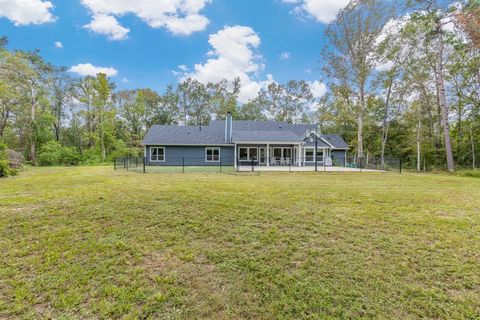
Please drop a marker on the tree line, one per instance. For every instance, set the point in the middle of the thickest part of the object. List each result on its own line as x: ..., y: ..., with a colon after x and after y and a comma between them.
x: 402, y: 82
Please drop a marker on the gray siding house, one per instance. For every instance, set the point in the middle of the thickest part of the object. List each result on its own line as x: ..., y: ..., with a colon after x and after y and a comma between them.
x: 234, y: 143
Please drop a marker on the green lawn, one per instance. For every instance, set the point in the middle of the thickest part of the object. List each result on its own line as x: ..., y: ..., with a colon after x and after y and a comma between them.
x: 93, y: 243
x: 186, y: 169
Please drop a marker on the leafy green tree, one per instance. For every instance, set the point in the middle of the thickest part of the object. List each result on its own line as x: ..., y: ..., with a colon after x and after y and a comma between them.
x: 350, y: 61
x: 286, y: 102
x: 104, y: 112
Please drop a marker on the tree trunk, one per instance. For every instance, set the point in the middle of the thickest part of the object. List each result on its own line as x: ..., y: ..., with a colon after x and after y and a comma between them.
x: 385, y: 124
x: 472, y: 142
x: 3, y: 123
x: 33, y: 151
x: 104, y: 156
x: 360, y: 122
x: 419, y: 155
x: 443, y: 103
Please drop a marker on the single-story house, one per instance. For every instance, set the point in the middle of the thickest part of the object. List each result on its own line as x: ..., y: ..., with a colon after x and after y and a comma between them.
x: 233, y: 142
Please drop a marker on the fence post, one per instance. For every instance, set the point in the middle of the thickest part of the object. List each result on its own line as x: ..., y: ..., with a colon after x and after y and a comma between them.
x: 252, y: 166
x: 114, y: 163
x: 144, y: 160
x: 220, y: 164
x: 124, y: 163
x: 128, y: 161
x: 400, y: 162
x: 237, y: 164
x: 183, y: 164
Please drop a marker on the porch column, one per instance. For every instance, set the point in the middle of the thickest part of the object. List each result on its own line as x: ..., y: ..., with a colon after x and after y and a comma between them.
x: 299, y: 154
x: 235, y: 155
x: 268, y: 155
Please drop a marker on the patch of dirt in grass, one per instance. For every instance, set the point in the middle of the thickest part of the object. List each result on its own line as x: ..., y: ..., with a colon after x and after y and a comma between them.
x: 207, y: 293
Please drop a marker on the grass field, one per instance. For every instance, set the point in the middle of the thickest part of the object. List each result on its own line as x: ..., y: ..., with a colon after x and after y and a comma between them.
x: 93, y: 243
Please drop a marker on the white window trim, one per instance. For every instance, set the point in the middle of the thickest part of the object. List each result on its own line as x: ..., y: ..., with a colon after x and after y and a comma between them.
x: 282, y: 152
x: 326, y: 153
x: 151, y: 153
x: 248, y: 153
x: 213, y: 156
x: 305, y: 154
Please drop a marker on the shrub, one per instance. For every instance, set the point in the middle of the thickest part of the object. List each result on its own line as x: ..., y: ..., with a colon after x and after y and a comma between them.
x: 52, y: 153
x: 91, y: 156
x: 5, y: 169
x: 15, y: 159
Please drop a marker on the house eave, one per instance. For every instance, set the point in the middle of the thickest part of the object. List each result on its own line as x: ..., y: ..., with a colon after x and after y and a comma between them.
x: 269, y: 142
x: 190, y: 144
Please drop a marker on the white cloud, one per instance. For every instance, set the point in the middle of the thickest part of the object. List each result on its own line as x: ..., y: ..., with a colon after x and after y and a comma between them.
x: 180, y: 17
x: 25, y: 12
x: 58, y: 45
x: 108, y: 26
x: 324, y: 11
x: 125, y: 80
x: 87, y: 69
x: 385, y: 66
x: 183, y: 67
x: 318, y: 89
x: 233, y: 57
x: 284, y: 55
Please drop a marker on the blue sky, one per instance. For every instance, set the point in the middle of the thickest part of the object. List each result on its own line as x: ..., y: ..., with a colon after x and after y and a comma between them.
x: 267, y: 40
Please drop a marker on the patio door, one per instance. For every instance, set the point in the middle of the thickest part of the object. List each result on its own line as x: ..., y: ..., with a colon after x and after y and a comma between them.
x: 263, y: 156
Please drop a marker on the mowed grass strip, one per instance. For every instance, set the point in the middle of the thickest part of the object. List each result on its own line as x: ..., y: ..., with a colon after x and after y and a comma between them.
x: 93, y: 243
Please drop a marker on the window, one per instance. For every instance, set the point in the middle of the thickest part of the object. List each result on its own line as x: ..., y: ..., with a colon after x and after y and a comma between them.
x: 243, y: 153
x: 277, y: 152
x: 319, y: 154
x: 309, y: 155
x: 282, y: 153
x: 157, y: 154
x: 247, y: 154
x: 212, y: 154
x: 252, y: 154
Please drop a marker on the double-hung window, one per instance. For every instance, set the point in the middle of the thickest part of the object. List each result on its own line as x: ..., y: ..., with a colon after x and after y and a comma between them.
x: 157, y: 154
x: 309, y: 157
x: 212, y: 154
x: 319, y: 154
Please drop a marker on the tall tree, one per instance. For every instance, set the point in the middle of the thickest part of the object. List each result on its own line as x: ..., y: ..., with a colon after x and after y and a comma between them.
x: 102, y: 104
x: 349, y: 63
x: 62, y: 85
x: 286, y: 102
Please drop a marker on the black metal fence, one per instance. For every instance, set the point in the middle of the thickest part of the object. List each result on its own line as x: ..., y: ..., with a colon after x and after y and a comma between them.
x: 322, y: 164
x: 175, y: 165
x: 223, y: 165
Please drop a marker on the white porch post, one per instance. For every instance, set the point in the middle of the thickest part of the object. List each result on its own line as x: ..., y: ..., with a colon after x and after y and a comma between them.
x: 235, y: 155
x: 268, y: 155
x: 299, y: 155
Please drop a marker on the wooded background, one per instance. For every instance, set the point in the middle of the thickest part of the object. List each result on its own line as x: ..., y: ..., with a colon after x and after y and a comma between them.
x: 403, y: 81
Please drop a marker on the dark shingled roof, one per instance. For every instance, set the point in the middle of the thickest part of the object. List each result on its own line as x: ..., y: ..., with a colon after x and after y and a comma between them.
x: 185, y: 135
x: 242, y: 131
x: 265, y: 136
x: 335, y: 140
